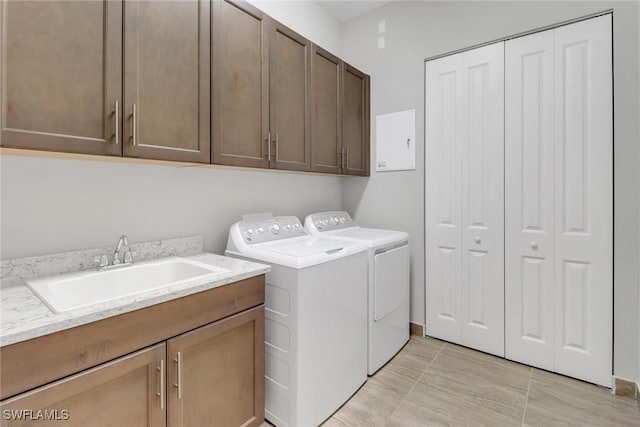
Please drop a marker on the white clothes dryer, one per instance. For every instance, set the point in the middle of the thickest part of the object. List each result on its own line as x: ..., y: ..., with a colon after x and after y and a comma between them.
x: 315, y: 317
x: 388, y: 281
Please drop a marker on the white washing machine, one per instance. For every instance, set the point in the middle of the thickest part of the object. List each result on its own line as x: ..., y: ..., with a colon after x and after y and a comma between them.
x: 315, y: 317
x: 388, y: 282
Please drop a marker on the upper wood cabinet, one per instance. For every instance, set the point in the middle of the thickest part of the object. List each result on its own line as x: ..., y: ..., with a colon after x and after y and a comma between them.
x: 207, y: 81
x: 166, y: 80
x: 355, y: 121
x: 339, y: 116
x: 326, y: 112
x: 240, y: 81
x: 126, y: 392
x: 289, y: 82
x: 260, y: 79
x: 62, y: 76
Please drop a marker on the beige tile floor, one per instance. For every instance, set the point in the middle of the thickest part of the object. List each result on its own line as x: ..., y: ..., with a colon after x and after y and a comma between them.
x: 433, y: 383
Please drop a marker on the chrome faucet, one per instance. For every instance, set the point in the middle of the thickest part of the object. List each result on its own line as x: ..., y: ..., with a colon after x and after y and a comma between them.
x: 117, y: 258
x: 121, y: 257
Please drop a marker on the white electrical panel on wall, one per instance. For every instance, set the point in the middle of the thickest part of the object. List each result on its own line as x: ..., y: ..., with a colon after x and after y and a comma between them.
x: 395, y: 141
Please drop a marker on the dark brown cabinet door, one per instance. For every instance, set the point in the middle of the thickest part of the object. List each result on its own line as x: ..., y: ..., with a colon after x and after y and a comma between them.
x: 326, y: 115
x: 167, y: 77
x: 355, y: 121
x: 129, y: 391
x: 240, y: 81
x: 216, y: 373
x: 289, y: 81
x: 61, y: 75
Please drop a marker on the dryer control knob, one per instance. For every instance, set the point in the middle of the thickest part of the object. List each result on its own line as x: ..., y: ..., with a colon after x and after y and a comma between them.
x: 275, y: 228
x: 260, y: 230
x: 287, y: 227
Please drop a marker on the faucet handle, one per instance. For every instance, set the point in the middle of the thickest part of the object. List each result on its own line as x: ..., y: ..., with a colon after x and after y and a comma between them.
x: 128, y: 257
x: 101, y: 260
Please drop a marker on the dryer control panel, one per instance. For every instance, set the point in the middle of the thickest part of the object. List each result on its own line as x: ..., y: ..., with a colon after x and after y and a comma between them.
x: 328, y: 221
x: 270, y: 229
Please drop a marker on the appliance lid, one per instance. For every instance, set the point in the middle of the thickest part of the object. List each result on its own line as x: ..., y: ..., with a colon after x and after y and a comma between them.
x: 370, y: 236
x: 303, y: 247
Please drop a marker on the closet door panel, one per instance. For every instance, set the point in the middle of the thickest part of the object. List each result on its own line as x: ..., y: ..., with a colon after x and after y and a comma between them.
x: 443, y: 199
x: 529, y: 145
x: 483, y: 198
x: 584, y: 199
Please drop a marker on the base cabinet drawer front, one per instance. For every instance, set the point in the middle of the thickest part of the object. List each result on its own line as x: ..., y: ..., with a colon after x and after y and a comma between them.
x: 128, y: 391
x: 216, y: 373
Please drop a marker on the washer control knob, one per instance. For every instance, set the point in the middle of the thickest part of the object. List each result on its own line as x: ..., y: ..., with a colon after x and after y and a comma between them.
x: 260, y: 230
x: 287, y: 227
x: 342, y: 220
x: 297, y: 225
x: 275, y: 229
x: 248, y: 232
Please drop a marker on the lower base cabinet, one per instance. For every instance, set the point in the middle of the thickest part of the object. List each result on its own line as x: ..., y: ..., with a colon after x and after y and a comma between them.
x: 212, y: 371
x: 211, y: 376
x: 124, y: 392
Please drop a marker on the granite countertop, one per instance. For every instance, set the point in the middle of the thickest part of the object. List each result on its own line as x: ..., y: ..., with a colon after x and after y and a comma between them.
x: 24, y: 316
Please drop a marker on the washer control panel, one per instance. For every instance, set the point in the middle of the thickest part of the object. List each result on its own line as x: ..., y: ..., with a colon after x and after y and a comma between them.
x: 327, y: 221
x: 269, y: 229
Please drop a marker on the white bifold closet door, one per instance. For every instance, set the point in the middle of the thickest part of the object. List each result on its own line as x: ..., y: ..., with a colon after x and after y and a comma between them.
x: 559, y: 200
x: 464, y: 198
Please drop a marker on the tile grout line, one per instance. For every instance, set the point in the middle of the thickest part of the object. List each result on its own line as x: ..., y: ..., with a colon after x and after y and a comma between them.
x: 420, y: 377
x: 526, y: 399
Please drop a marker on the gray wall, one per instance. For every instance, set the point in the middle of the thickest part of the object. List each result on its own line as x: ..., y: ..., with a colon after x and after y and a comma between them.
x: 54, y: 205
x: 308, y: 18
x: 417, y: 30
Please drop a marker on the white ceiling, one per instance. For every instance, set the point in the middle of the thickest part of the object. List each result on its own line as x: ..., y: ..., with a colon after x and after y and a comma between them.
x: 345, y: 10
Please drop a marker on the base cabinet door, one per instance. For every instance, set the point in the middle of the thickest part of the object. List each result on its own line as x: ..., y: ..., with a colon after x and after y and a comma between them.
x: 61, y: 73
x: 212, y: 371
x: 128, y: 391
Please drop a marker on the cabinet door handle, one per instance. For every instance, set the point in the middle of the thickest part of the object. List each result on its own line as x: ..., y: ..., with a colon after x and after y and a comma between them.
x: 268, y: 146
x: 340, y: 155
x: 178, y: 384
x: 134, y: 128
x: 161, y: 392
x: 346, y: 160
x: 116, y: 122
x: 534, y: 246
x: 277, y: 148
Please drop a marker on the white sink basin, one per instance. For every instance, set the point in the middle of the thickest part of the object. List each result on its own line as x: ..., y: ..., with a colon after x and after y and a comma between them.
x: 68, y: 292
